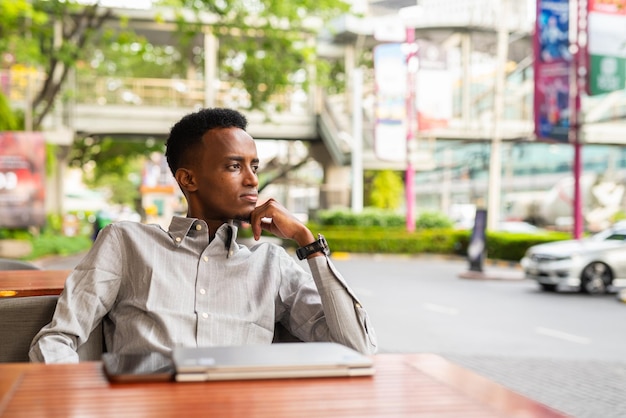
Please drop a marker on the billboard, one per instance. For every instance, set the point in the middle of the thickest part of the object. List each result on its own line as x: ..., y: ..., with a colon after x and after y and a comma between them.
x: 22, y: 179
x: 606, y: 49
x: 432, y: 101
x: 552, y: 64
x: 434, y: 87
x: 390, y: 73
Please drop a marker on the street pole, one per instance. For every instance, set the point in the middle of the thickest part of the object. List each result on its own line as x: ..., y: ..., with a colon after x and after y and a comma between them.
x: 577, y: 24
x: 495, y: 159
x: 357, y: 140
x: 211, y: 46
x: 410, y: 128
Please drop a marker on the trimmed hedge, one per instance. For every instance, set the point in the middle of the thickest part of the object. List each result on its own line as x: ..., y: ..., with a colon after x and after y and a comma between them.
x: 500, y: 245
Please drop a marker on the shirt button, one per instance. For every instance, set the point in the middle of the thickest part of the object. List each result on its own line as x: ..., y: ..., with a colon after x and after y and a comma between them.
x: 198, y: 227
x: 205, y: 258
x: 178, y: 239
x: 205, y: 315
x: 202, y: 291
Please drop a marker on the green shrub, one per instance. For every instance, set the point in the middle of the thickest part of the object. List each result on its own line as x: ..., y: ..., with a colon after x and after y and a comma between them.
x: 380, y: 217
x: 48, y: 244
x: 368, y: 217
x: 447, y: 241
x: 429, y: 220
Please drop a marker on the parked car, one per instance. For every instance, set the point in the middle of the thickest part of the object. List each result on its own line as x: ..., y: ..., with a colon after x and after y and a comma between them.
x: 590, y: 265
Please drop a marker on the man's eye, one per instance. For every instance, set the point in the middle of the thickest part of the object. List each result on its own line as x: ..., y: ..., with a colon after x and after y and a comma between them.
x: 234, y: 166
x: 255, y: 168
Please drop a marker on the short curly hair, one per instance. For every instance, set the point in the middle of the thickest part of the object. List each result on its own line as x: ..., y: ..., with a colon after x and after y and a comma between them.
x: 189, y: 131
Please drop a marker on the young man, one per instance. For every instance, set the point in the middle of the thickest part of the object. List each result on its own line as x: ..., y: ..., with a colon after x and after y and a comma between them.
x: 194, y: 285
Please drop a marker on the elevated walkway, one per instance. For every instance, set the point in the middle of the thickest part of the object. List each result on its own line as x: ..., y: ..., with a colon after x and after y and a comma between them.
x: 149, y: 107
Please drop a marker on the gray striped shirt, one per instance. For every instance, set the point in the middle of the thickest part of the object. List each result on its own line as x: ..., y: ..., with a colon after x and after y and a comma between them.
x: 156, y: 289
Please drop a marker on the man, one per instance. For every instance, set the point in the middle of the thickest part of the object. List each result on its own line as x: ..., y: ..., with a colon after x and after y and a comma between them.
x: 193, y: 285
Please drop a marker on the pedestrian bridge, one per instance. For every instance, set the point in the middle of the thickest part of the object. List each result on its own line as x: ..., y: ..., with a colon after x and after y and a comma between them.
x: 148, y: 107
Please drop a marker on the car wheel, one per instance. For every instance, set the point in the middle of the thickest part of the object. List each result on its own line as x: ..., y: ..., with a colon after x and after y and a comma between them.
x: 595, y: 278
x: 548, y: 287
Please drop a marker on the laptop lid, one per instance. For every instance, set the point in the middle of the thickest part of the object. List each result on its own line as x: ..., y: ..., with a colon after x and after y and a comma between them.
x: 269, y: 361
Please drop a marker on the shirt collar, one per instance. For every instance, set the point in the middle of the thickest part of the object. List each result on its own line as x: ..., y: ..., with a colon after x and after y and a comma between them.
x: 227, y: 233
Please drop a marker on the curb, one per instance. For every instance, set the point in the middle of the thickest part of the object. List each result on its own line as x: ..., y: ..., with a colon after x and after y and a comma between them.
x: 341, y: 255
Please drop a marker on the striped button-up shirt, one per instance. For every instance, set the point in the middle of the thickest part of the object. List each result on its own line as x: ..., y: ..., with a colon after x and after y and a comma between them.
x: 155, y: 289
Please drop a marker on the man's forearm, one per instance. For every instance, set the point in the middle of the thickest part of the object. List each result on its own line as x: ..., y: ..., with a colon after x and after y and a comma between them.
x: 347, y: 320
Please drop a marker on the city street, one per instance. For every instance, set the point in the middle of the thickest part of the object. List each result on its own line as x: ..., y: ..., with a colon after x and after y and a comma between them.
x: 565, y: 350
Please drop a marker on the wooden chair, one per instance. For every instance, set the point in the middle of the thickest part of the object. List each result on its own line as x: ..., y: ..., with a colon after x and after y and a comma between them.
x: 22, y: 318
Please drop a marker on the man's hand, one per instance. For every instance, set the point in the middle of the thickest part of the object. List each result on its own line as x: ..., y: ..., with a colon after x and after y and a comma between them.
x: 271, y: 216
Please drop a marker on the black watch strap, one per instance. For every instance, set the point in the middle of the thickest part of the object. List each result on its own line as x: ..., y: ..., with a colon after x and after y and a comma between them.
x: 312, y: 248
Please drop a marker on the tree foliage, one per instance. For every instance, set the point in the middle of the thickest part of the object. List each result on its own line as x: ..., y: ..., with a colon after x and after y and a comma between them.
x: 265, y: 45
x: 51, y: 36
x: 386, y: 190
x: 265, y: 48
x: 113, y: 164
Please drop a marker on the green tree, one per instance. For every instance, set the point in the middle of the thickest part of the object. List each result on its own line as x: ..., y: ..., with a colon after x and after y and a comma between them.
x: 113, y: 164
x: 51, y: 36
x: 8, y: 119
x: 266, y: 45
x: 386, y: 190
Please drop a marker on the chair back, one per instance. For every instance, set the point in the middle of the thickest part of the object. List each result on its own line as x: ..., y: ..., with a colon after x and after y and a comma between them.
x: 22, y: 318
x: 10, y: 264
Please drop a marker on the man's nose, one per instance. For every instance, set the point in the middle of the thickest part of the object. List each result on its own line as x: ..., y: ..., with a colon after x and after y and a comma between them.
x: 251, y: 177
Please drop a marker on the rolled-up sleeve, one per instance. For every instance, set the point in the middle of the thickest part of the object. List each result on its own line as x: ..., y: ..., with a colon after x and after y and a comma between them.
x: 347, y: 319
x: 88, y: 295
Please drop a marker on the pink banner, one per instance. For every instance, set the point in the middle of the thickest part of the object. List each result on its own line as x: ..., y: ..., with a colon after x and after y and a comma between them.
x: 22, y: 179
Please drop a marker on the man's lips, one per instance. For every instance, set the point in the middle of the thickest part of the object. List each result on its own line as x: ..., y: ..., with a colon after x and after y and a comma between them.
x: 250, y: 197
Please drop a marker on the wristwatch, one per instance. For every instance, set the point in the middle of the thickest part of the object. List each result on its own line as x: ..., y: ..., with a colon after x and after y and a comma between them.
x: 314, y: 247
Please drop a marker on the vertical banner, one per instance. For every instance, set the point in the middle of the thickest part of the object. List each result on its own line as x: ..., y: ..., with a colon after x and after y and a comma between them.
x: 22, y: 179
x: 434, y: 84
x: 552, y: 61
x: 606, y: 49
x: 390, y: 73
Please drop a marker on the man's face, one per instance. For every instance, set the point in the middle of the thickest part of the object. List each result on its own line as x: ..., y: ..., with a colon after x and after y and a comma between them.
x: 225, y: 173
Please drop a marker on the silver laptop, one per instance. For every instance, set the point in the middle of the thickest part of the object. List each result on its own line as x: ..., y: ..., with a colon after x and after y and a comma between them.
x: 270, y: 361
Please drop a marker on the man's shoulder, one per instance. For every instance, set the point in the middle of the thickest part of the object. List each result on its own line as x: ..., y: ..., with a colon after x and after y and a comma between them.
x: 133, y: 226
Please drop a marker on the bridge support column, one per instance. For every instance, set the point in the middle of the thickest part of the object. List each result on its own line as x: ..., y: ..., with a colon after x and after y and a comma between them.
x: 336, y: 190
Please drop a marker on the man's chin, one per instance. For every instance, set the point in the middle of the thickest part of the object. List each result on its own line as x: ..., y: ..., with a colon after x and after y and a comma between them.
x: 243, y: 218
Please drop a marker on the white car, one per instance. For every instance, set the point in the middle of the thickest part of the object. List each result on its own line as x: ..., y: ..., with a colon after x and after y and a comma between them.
x: 589, y: 265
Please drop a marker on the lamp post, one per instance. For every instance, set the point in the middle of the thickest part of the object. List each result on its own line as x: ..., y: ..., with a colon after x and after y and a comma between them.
x: 411, y: 120
x: 495, y: 159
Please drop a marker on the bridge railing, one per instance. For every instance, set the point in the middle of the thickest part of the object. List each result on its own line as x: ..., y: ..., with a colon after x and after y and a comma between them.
x: 139, y: 91
x: 20, y: 84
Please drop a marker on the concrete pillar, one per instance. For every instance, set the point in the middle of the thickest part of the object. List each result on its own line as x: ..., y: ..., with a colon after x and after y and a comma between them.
x: 211, y: 46
x: 335, y: 191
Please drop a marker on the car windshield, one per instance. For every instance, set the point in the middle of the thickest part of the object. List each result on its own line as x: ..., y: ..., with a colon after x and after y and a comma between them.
x: 610, y: 234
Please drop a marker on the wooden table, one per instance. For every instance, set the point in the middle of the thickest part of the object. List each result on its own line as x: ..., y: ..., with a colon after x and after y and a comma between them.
x: 19, y: 283
x: 404, y: 385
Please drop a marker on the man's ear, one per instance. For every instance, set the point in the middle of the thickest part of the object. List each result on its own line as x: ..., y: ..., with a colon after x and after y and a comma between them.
x: 186, y: 179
